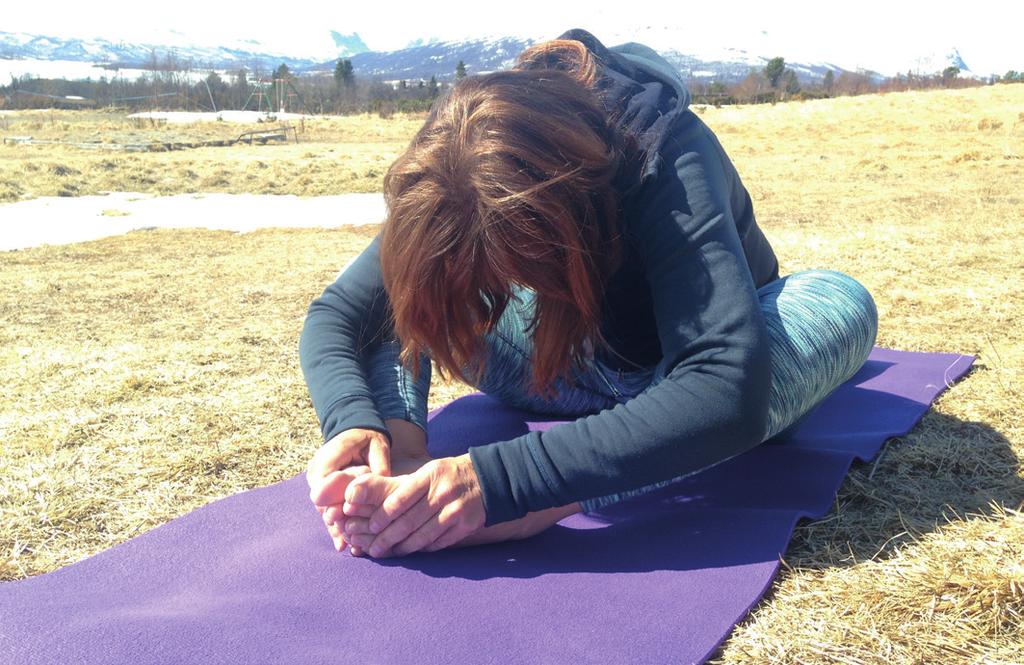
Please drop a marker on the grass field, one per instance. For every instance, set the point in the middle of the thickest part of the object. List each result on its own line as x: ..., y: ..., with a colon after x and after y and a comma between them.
x: 145, y: 375
x: 334, y: 155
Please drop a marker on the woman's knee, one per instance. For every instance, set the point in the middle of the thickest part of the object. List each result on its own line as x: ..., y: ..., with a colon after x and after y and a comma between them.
x: 831, y: 301
x: 822, y: 325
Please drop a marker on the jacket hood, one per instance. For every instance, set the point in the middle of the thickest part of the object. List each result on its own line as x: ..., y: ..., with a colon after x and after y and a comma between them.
x: 641, y: 89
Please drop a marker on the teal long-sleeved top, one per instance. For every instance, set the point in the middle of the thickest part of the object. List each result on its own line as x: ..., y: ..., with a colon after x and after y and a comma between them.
x: 683, y: 302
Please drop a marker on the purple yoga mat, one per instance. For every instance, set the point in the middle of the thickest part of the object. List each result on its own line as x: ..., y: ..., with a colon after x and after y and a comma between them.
x: 662, y: 578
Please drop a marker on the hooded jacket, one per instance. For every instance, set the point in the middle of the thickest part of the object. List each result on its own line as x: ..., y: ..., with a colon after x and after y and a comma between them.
x: 683, y: 302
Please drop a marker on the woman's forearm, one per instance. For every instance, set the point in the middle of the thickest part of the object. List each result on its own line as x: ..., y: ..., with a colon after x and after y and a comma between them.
x: 340, y: 324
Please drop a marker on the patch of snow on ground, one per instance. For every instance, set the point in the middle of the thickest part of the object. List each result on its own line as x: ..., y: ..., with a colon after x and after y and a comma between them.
x: 60, y: 220
x: 210, y: 116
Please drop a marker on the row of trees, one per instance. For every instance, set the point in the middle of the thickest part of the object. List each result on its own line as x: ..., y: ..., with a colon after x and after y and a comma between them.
x: 194, y: 90
x: 175, y: 84
x: 777, y: 82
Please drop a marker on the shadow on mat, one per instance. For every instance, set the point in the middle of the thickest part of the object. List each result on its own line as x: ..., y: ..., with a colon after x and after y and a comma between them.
x: 640, y: 543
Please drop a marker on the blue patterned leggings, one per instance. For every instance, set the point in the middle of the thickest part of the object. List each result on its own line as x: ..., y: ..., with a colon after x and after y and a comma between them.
x: 821, y: 327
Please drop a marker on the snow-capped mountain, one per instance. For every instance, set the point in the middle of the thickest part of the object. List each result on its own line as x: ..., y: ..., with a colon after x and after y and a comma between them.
x: 422, y: 42
x: 424, y: 57
x: 433, y: 57
x: 735, y: 64
x: 439, y: 58
x: 938, y: 62
x: 240, y: 53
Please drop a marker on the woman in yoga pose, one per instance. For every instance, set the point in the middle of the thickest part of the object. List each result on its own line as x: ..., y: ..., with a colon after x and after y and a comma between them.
x: 568, y: 237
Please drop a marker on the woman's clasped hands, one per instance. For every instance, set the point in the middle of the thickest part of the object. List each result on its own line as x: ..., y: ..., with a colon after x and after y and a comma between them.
x: 430, y: 505
x: 432, y: 508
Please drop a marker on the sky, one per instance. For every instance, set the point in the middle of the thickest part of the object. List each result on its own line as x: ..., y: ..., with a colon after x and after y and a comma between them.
x: 872, y: 34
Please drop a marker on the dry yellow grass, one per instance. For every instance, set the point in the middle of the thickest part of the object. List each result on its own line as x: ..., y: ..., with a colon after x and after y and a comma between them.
x: 145, y: 375
x: 334, y: 155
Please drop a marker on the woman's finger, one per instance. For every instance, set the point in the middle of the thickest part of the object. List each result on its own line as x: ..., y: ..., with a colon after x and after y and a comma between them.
x: 403, y: 525
x: 422, y: 537
x: 361, y: 540
x: 354, y: 525
x: 446, y: 539
x: 358, y: 509
x: 331, y: 489
x: 372, y: 489
x: 334, y: 514
x: 329, y: 458
x: 337, y: 537
x: 400, y: 500
x: 341, y: 451
x: 452, y: 532
x: 379, y: 457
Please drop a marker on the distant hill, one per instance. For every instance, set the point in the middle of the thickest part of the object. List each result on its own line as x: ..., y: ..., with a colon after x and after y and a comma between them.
x: 438, y: 58
x: 127, y: 55
x: 422, y: 59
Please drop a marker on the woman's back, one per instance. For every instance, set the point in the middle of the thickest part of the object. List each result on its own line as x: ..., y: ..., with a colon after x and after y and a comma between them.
x: 685, y: 169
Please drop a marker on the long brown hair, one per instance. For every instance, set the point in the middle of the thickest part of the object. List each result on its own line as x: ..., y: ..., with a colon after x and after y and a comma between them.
x: 509, y: 182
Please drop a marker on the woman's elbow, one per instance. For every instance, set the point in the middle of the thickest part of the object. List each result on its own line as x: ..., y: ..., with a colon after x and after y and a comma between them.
x: 743, y: 405
x: 751, y: 417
